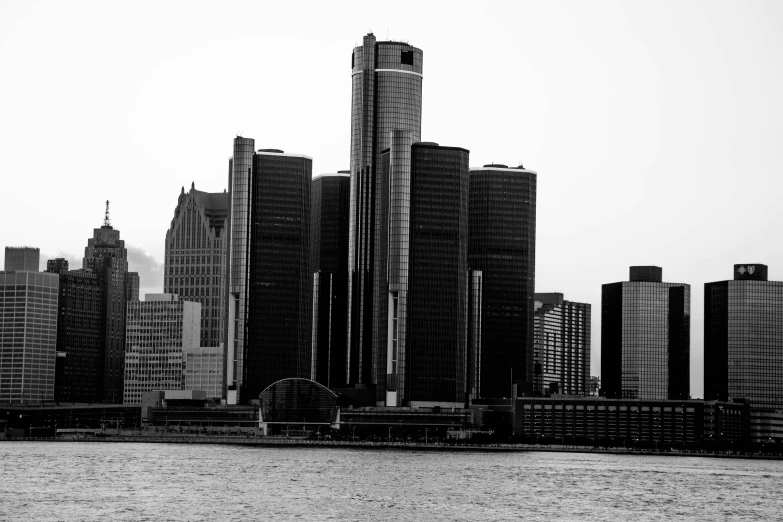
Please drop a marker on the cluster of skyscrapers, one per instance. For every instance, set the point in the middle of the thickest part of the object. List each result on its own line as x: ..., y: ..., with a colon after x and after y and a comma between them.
x: 407, y: 280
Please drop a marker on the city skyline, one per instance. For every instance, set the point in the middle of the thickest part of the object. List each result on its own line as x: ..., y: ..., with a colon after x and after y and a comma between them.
x: 669, y: 133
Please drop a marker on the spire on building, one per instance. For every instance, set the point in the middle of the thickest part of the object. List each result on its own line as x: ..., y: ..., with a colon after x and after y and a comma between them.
x: 106, y: 220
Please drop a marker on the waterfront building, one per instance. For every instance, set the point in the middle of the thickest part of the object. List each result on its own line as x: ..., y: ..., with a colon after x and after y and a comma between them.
x: 204, y: 370
x: 28, y: 335
x: 161, y: 331
x: 106, y: 256
x: 501, y: 264
x: 79, y: 336
x: 22, y: 258
x: 195, y: 262
x: 386, y: 96
x: 240, y: 169
x: 426, y: 230
x: 561, y: 354
x: 57, y: 266
x: 329, y: 261
x: 743, y: 338
x: 645, y: 337
x: 280, y: 279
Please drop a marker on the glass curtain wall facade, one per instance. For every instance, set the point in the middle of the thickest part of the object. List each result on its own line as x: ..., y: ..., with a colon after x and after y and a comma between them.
x: 79, y: 337
x: 386, y: 96
x: 330, y: 197
x: 105, y: 254
x: 28, y: 336
x: 743, y: 338
x: 195, y: 265
x: 433, y: 360
x: 280, y: 286
x: 239, y: 189
x: 561, y: 346
x: 501, y: 260
x: 645, y: 338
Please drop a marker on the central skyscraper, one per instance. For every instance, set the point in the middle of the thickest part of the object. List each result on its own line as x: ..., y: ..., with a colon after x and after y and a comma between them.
x: 386, y: 79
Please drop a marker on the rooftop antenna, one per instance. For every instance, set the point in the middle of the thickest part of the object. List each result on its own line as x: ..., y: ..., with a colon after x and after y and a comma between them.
x: 106, y: 220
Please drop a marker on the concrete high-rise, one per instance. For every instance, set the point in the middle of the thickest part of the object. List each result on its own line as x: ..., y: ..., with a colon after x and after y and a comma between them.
x: 561, y: 354
x: 426, y: 285
x: 386, y: 96
x: 195, y: 265
x: 57, y: 266
x: 106, y: 256
x: 645, y: 337
x: 161, y: 331
x: 330, y: 197
x: 28, y: 336
x: 743, y: 338
x: 22, y: 258
x: 501, y: 264
x: 280, y: 280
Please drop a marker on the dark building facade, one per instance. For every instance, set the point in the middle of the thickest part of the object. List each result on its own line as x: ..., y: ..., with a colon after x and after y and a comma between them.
x: 330, y: 197
x: 501, y: 264
x: 280, y: 282
x: 195, y: 266
x: 57, y: 266
x: 645, y: 337
x: 743, y: 338
x: 106, y: 256
x: 386, y: 85
x: 81, y: 319
x: 561, y: 346
x: 426, y: 289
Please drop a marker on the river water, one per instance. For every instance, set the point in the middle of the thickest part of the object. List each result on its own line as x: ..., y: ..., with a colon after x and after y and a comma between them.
x: 114, y: 481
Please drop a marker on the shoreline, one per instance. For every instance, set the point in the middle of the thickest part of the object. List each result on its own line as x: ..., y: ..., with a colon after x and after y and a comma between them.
x: 394, y: 446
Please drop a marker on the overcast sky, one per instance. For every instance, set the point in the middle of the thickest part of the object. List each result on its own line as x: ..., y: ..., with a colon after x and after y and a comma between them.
x: 655, y: 127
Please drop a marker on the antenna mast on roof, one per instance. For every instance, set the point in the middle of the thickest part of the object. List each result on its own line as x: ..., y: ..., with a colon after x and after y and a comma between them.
x: 106, y: 221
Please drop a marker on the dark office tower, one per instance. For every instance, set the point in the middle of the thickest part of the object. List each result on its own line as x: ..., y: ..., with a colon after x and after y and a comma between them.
x: 386, y: 80
x: 240, y: 173
x: 79, y: 337
x: 57, y: 266
x: 106, y: 256
x: 645, y: 337
x: 280, y: 283
x: 561, y: 354
x: 22, y: 258
x: 329, y: 261
x: 501, y: 261
x: 426, y: 290
x: 195, y: 266
x: 743, y: 338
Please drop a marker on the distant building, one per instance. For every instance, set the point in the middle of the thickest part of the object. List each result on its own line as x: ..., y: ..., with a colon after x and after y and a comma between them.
x: 280, y: 280
x: 561, y: 346
x: 743, y: 338
x: 329, y: 261
x: 161, y: 332
x: 107, y: 257
x: 425, y: 228
x: 645, y: 337
x: 501, y: 264
x: 79, y: 337
x: 22, y: 258
x: 595, y: 386
x: 57, y: 266
x: 195, y: 265
x: 204, y: 370
x: 28, y: 335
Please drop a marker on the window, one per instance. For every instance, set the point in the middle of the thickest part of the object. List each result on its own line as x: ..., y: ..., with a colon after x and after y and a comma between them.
x: 406, y: 58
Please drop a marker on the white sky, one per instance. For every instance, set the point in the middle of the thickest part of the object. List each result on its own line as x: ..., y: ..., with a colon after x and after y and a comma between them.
x: 655, y: 127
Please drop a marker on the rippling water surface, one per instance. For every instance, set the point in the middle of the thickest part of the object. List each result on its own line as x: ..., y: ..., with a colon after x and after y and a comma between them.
x: 106, y: 481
